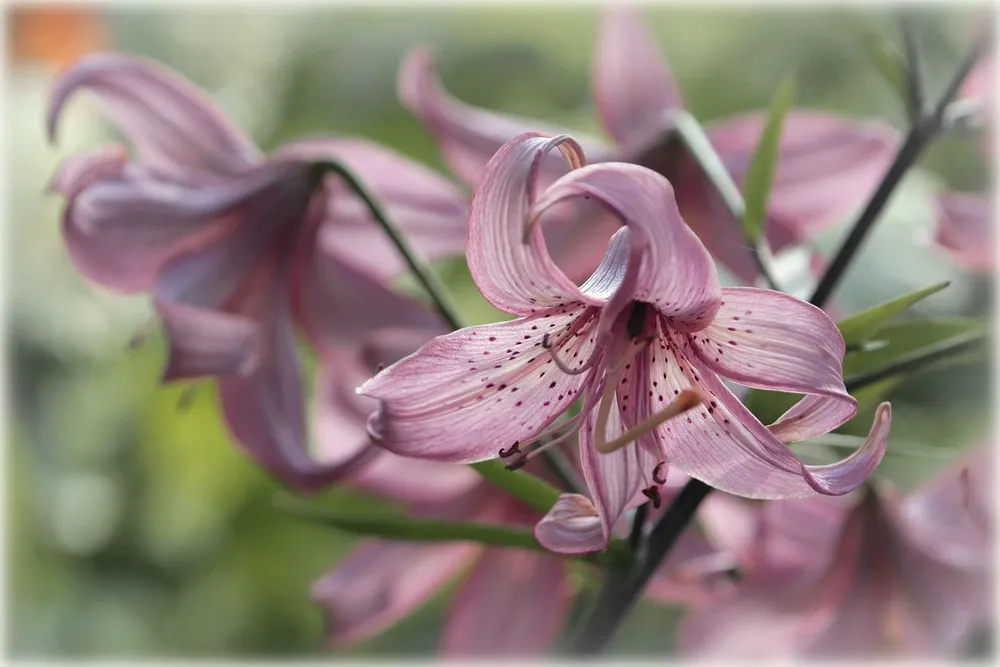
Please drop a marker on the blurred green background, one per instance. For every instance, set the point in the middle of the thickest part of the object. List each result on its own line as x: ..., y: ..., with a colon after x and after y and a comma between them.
x: 135, y: 527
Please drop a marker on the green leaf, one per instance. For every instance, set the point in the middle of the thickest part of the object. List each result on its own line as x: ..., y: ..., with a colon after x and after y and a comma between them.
x: 760, y: 173
x: 534, y: 491
x: 859, y: 328
x: 416, y: 529
x: 910, y: 347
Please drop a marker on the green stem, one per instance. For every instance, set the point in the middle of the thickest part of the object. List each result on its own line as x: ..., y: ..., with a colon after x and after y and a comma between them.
x: 423, y: 273
x: 414, y: 529
x: 690, y: 132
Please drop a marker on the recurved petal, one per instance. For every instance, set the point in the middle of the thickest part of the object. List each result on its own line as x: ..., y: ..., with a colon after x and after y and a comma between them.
x: 464, y: 396
x: 771, y: 340
x: 468, y: 136
x: 667, y: 265
x: 724, y: 445
x: 169, y: 121
x: 507, y: 255
x: 514, y: 603
x: 381, y: 582
x: 828, y: 165
x: 572, y: 526
x: 964, y: 229
x: 632, y: 85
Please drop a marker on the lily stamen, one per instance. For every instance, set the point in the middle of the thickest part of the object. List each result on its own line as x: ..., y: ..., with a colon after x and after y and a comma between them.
x: 534, y: 448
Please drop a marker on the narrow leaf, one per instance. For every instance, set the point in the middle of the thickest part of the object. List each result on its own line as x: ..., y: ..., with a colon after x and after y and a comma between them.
x: 887, y: 61
x: 534, y: 491
x: 760, y: 173
x: 858, y: 329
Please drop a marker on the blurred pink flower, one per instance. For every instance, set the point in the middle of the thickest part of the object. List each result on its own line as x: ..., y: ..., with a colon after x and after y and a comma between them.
x: 889, y: 575
x: 646, y: 337
x: 237, y: 248
x: 964, y: 229
x: 828, y: 164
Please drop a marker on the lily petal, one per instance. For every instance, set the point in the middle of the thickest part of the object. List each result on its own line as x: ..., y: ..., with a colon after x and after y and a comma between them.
x: 207, y: 342
x: 725, y: 446
x: 370, y: 590
x: 171, y: 123
x: 674, y: 262
x: 513, y: 603
x: 632, y: 85
x: 496, y: 378
x: 964, y: 229
x: 573, y: 526
x: 512, y: 267
x: 770, y: 340
x: 469, y: 137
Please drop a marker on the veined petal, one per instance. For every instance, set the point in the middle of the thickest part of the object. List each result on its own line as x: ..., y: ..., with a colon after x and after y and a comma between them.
x: 771, y: 340
x: 469, y: 137
x: 615, y: 480
x: 511, y: 267
x: 632, y: 85
x: 381, y: 582
x: 429, y: 208
x: 341, y: 436
x: 169, y: 121
x: 676, y: 274
x: 572, y: 526
x: 121, y: 226
x: 513, y: 603
x: 827, y: 166
x: 964, y: 229
x: 723, y: 444
x: 464, y: 396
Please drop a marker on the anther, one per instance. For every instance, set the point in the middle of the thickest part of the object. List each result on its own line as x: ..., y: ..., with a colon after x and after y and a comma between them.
x: 141, y: 335
x: 379, y: 368
x: 514, y: 449
x: 658, y: 475
x: 653, y: 493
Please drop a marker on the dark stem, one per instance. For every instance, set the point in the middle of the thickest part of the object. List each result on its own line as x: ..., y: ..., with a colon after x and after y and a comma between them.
x: 917, y: 139
x: 423, y: 273
x: 638, y: 523
x: 621, y: 590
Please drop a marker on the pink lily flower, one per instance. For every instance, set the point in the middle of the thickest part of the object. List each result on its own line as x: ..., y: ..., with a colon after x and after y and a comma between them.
x: 511, y: 601
x: 888, y: 576
x: 649, y: 336
x: 237, y: 248
x: 828, y: 164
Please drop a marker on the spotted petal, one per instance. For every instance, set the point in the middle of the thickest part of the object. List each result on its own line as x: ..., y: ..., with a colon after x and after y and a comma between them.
x: 464, y: 396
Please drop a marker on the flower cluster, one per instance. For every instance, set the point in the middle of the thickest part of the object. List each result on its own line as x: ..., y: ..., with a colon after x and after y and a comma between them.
x: 627, y: 359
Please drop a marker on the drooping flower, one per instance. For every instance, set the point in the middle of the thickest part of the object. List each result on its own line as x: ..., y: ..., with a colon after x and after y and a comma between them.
x: 237, y: 248
x: 649, y: 336
x: 827, y: 166
x: 888, y: 576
